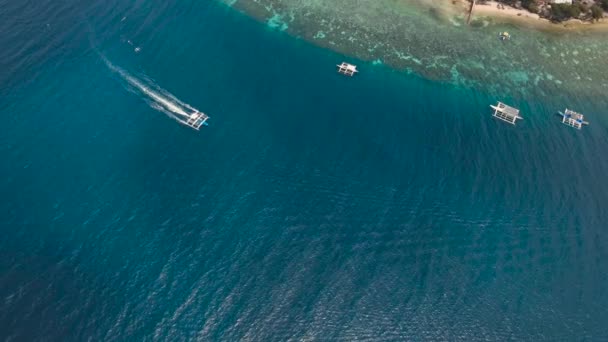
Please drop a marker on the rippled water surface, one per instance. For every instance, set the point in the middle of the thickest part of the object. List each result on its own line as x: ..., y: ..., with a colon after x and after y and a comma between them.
x: 388, y: 206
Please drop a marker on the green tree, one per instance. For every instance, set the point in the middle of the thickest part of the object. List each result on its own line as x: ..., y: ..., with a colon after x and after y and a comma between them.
x: 575, y: 10
x: 560, y: 12
x: 597, y: 12
x: 530, y: 5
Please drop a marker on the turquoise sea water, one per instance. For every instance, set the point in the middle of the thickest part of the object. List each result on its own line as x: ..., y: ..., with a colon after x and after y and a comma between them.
x: 314, y: 206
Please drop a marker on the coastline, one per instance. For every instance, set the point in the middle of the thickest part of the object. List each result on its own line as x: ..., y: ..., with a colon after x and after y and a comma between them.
x: 524, y: 18
x: 431, y: 38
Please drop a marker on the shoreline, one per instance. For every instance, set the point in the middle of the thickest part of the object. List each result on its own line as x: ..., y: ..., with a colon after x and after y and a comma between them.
x: 431, y: 39
x: 524, y: 18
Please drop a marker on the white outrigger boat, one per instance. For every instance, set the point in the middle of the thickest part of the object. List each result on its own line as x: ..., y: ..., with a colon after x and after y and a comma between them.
x: 195, y: 120
x: 573, y: 119
x: 347, y: 69
x: 506, y: 113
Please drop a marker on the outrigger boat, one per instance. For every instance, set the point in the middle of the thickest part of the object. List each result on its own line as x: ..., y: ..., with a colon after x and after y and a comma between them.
x: 347, y: 69
x: 573, y: 119
x: 196, y: 120
x: 506, y: 113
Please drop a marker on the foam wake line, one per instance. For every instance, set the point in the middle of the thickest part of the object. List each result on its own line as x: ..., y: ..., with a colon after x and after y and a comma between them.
x: 160, y: 99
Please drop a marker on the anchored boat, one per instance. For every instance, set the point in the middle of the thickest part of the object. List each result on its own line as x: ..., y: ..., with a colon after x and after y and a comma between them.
x: 573, y: 119
x: 347, y: 69
x: 506, y: 113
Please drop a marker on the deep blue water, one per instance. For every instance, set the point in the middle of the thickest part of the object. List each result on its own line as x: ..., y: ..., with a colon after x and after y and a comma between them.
x: 314, y: 206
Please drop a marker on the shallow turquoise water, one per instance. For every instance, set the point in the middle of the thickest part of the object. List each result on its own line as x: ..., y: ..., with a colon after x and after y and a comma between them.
x: 314, y: 206
x: 431, y: 38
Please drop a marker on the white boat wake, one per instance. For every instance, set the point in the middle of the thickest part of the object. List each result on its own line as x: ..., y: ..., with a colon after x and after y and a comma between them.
x: 161, y: 99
